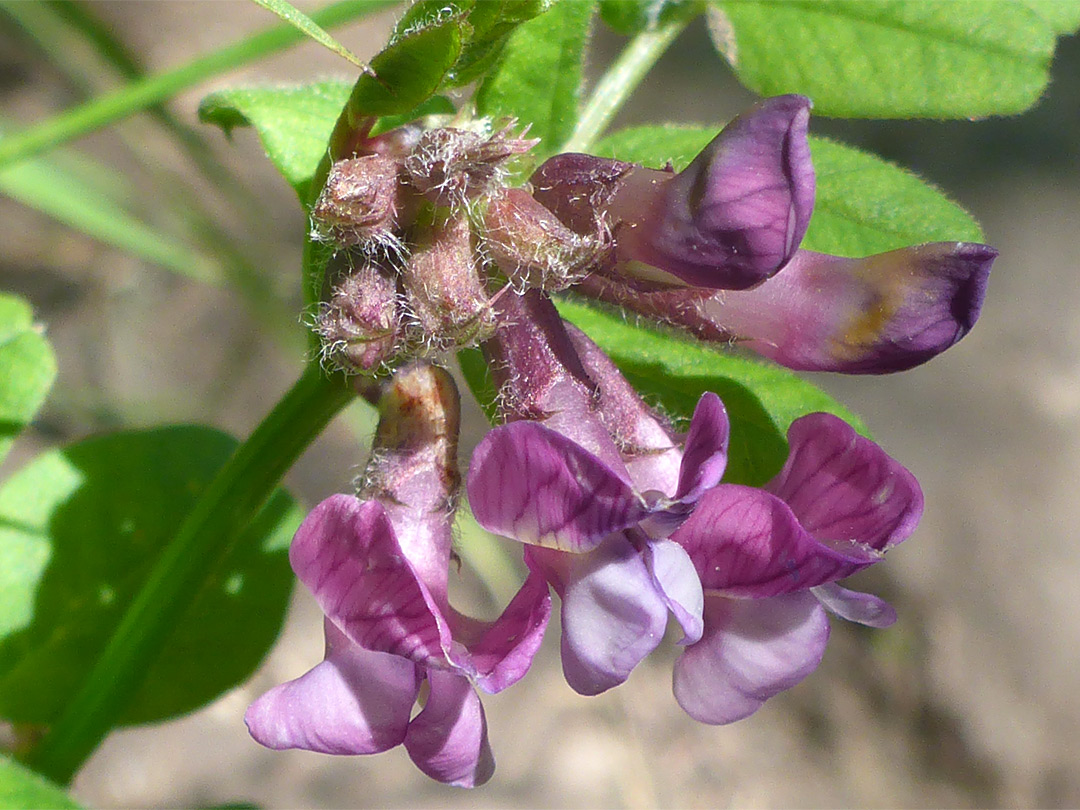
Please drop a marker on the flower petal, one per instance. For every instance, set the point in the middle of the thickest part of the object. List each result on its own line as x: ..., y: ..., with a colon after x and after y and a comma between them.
x: 747, y: 542
x: 735, y: 215
x: 612, y: 614
x: 448, y: 739
x: 355, y: 702
x: 537, y: 486
x: 347, y: 554
x: 678, y: 583
x: 752, y: 649
x: 855, y: 606
x: 844, y: 488
x: 498, y: 654
x: 705, y: 452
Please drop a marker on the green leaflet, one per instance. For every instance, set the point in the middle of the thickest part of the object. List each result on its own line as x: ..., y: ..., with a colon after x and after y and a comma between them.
x: 80, y: 529
x: 295, y: 17
x: 27, y: 369
x: 864, y: 205
x: 21, y: 788
x: 894, y: 58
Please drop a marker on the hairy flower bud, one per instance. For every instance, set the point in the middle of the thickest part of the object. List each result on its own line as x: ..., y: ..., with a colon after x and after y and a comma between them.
x: 452, y: 166
x: 360, y: 324
x: 360, y: 202
x: 447, y: 304
x: 533, y: 248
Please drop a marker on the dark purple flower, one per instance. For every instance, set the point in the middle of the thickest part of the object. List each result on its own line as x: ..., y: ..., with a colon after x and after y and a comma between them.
x: 713, y: 249
x: 378, y: 567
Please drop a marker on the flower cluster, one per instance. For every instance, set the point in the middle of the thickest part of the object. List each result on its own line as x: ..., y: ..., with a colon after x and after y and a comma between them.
x: 629, y: 522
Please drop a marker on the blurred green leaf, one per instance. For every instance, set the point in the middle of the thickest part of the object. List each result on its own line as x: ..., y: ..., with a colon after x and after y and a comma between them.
x: 762, y: 400
x: 1063, y: 16
x: 73, y: 198
x: 27, y: 369
x: 298, y: 19
x: 474, y: 370
x: 864, y: 205
x: 81, y: 528
x: 538, y: 77
x: 893, y: 58
x: 21, y: 789
x: 629, y: 17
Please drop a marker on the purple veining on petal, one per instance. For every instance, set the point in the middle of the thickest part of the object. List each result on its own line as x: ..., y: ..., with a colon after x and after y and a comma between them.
x: 528, y: 482
x: 448, y: 739
x: 855, y: 606
x: 705, y: 450
x: 752, y: 649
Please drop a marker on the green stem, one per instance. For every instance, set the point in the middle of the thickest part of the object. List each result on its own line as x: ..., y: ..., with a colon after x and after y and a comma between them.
x: 235, y: 495
x: 119, y: 104
x: 620, y: 80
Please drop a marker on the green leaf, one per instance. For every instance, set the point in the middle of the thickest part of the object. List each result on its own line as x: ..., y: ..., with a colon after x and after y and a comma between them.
x: 474, y: 370
x: 21, y: 788
x: 80, y: 530
x: 48, y: 186
x: 295, y: 17
x: 895, y: 58
x: 631, y: 17
x: 538, y: 78
x: 27, y: 369
x: 864, y: 205
x: 1063, y: 16
x: 762, y: 400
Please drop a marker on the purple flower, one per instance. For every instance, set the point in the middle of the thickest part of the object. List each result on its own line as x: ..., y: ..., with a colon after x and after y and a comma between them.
x: 378, y: 568
x: 594, y: 487
x: 769, y: 560
x: 713, y: 249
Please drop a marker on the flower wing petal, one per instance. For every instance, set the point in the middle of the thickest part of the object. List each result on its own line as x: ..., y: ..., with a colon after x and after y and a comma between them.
x: 678, y: 583
x: 752, y: 649
x: 448, y: 739
x: 355, y: 702
x: 539, y: 487
x: 705, y: 451
x: 855, y: 606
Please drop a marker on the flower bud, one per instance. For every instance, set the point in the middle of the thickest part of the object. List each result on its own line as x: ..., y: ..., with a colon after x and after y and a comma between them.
x: 360, y: 325
x: 533, y: 248
x: 452, y: 166
x: 360, y: 202
x: 444, y: 294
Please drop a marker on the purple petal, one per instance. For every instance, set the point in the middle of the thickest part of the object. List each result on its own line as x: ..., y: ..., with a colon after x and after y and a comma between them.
x: 678, y: 583
x: 347, y: 554
x: 884, y: 313
x: 448, y: 739
x: 864, y: 608
x: 752, y: 649
x: 747, y: 542
x: 355, y: 702
x: 612, y: 616
x: 705, y: 451
x: 844, y: 488
x: 536, y: 486
x: 499, y: 653
x: 736, y: 215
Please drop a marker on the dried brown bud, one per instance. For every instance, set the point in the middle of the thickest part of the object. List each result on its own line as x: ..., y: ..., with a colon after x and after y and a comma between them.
x: 360, y: 324
x: 452, y: 166
x: 447, y: 304
x: 360, y: 202
x: 533, y: 248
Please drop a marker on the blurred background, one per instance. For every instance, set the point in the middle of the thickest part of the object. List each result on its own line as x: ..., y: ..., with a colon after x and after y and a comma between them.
x: 971, y: 700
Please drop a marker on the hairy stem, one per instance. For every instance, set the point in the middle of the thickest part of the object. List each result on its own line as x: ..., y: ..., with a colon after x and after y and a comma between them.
x: 235, y: 495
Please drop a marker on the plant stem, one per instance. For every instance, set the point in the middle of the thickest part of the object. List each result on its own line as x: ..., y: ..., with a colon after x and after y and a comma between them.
x: 235, y: 495
x: 119, y: 104
x: 620, y: 80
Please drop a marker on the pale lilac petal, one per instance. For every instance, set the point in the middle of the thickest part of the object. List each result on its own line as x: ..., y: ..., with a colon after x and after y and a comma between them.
x: 747, y: 542
x: 705, y: 450
x: 736, y: 215
x: 752, y: 649
x: 498, y: 654
x: 448, y: 739
x: 678, y: 583
x: 355, y: 702
x: 346, y: 553
x: 855, y: 606
x: 612, y: 616
x: 844, y: 488
x: 884, y: 313
x: 537, y: 486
